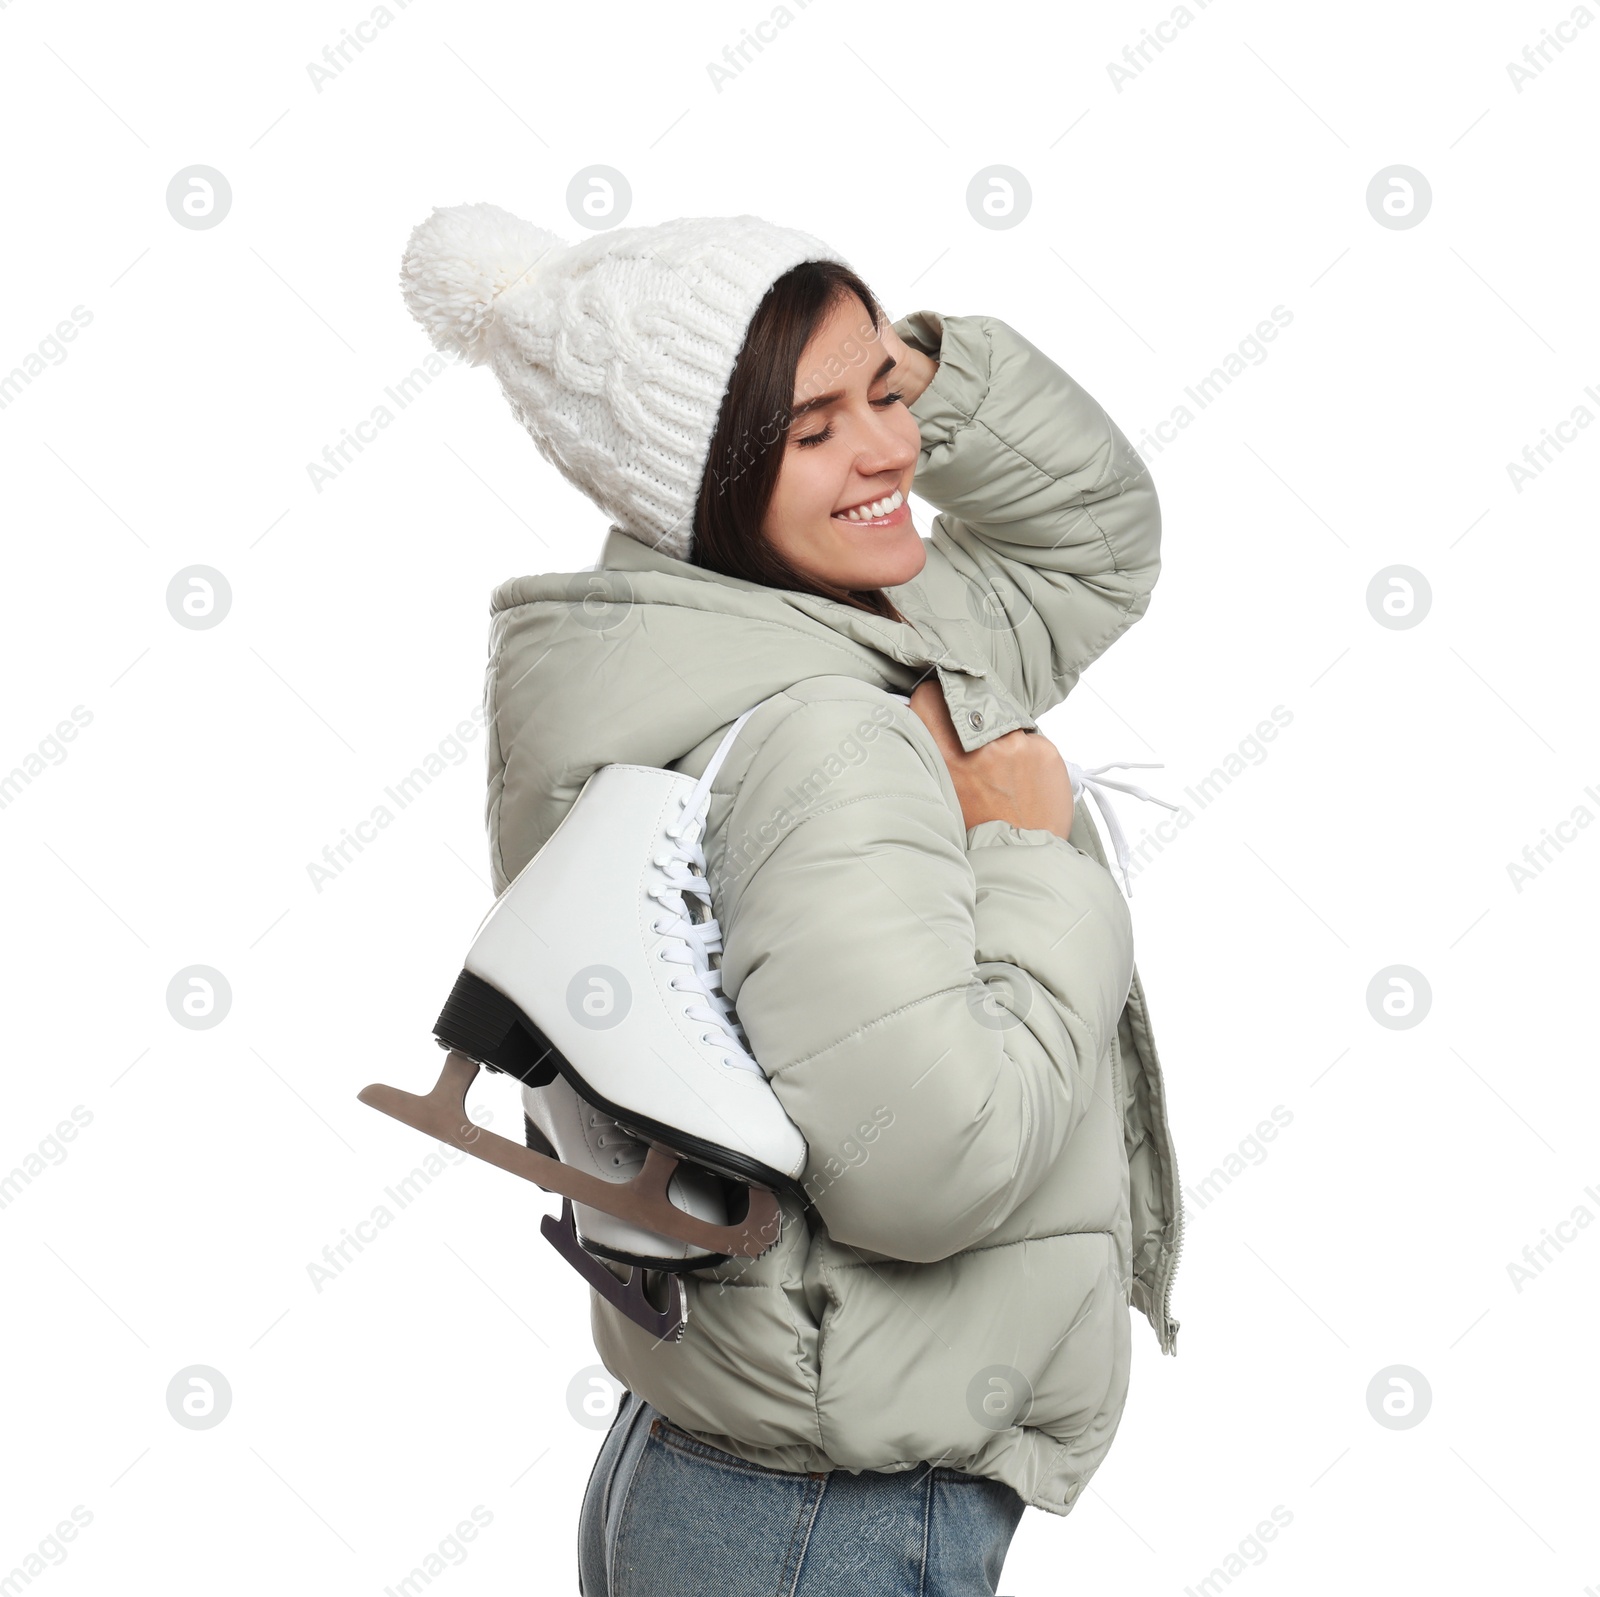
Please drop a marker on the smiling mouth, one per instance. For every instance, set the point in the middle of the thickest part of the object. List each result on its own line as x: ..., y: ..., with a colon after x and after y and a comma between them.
x: 881, y: 512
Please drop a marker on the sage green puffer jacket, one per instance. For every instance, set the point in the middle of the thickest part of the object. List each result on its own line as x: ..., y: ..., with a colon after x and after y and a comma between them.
x: 951, y: 1017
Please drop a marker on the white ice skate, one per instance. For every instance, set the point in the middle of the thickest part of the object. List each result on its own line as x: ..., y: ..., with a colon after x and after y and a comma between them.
x: 591, y: 963
x: 560, y: 1124
x: 596, y: 964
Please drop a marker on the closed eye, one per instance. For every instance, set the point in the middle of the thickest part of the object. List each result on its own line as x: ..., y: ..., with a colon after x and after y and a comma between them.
x: 827, y: 432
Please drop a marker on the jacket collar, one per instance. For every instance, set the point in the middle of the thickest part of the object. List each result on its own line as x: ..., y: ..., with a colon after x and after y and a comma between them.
x: 911, y: 643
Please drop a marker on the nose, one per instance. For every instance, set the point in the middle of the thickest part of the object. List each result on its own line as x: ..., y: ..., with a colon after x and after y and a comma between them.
x: 883, y: 448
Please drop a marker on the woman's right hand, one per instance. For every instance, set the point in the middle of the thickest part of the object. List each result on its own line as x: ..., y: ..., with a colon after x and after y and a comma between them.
x: 1018, y: 777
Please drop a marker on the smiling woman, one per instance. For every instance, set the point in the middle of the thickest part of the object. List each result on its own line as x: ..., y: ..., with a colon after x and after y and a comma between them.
x: 939, y: 1334
x: 830, y: 503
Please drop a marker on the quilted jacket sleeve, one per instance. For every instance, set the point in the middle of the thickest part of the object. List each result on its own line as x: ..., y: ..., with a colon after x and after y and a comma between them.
x: 930, y: 1004
x: 1047, y: 544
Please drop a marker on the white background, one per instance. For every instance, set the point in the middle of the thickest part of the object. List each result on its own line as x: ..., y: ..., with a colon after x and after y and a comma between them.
x: 1169, y: 216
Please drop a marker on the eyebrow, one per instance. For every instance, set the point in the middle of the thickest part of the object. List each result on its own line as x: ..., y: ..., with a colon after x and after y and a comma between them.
x: 828, y: 399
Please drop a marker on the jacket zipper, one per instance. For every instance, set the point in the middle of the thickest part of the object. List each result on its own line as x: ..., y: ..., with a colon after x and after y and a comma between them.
x: 1167, y: 1333
x: 1169, y: 1327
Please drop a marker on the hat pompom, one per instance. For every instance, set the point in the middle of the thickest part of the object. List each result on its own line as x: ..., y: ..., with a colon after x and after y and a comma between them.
x: 459, y: 261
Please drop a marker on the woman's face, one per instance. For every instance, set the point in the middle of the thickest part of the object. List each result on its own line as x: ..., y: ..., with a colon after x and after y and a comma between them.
x: 851, y: 443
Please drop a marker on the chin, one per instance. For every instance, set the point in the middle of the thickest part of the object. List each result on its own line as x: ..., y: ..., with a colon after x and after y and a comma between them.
x: 888, y: 568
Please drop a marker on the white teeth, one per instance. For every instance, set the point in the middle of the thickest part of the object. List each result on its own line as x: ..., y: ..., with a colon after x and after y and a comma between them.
x: 879, y: 507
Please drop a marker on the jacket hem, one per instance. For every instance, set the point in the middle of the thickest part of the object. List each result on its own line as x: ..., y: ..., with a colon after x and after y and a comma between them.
x: 1021, y: 1465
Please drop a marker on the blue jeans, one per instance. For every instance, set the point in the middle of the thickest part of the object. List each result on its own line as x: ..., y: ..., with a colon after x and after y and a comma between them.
x: 666, y: 1516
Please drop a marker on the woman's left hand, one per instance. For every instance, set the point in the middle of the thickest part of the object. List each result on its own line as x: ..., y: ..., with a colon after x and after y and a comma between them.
x: 1019, y: 777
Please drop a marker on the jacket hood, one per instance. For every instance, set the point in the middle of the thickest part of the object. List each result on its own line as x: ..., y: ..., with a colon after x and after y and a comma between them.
x: 644, y: 658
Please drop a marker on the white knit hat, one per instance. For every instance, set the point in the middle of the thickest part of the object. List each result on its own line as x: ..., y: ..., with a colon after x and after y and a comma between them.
x: 615, y: 352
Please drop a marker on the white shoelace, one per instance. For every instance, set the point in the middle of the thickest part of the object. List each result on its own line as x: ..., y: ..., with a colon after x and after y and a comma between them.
x: 1090, y: 780
x: 683, y: 866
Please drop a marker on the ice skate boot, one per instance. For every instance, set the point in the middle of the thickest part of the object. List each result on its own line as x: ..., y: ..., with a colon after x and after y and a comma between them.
x: 597, y: 962
x: 595, y: 965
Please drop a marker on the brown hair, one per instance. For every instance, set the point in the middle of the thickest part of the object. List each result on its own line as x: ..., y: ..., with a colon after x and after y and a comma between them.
x: 746, y: 454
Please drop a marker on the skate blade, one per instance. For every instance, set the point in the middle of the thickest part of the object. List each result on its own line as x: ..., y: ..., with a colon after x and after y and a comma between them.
x: 627, y: 1297
x: 643, y: 1201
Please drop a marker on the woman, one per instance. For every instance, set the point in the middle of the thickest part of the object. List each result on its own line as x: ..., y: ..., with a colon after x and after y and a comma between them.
x: 931, y: 961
